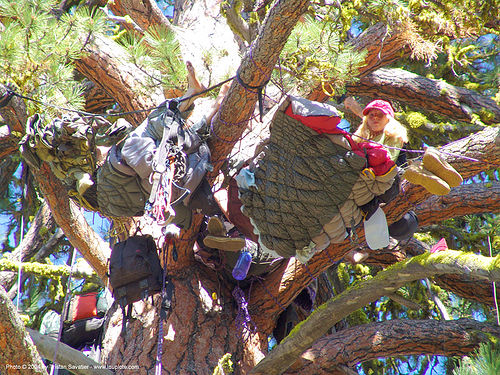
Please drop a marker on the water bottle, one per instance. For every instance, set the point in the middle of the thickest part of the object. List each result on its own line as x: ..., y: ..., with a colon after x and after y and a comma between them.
x: 242, y: 266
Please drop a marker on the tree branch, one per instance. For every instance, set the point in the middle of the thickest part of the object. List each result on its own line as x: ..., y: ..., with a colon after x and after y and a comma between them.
x: 67, y: 357
x: 105, y: 63
x: 50, y: 270
x: 393, y: 338
x: 387, y: 281
x: 18, y: 355
x: 71, y: 220
x: 427, y: 94
x: 145, y: 13
x: 481, y: 198
x: 31, y: 243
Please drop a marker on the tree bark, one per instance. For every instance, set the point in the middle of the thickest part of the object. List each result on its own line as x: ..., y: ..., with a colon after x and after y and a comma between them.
x: 18, y: 355
x: 382, y: 48
x: 145, y: 13
x: 105, y: 63
x: 71, y: 220
x: 456, y: 103
x: 387, y: 281
x: 393, y: 338
x: 469, y: 288
x: 198, y: 331
x: 481, y: 198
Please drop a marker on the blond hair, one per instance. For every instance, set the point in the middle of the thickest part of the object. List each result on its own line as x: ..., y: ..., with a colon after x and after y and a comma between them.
x: 393, y: 130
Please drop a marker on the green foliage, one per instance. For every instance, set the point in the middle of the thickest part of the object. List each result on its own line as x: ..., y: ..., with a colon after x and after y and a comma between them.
x: 37, y: 49
x: 156, y: 53
x: 415, y: 119
x: 485, y: 361
x: 225, y: 365
x: 315, y: 55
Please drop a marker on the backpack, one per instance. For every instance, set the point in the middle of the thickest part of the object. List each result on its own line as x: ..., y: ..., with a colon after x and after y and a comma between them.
x: 135, y: 272
x: 83, y: 332
x: 83, y: 322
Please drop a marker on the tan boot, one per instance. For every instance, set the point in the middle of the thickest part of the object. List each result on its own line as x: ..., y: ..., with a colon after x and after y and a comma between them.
x: 83, y: 181
x: 215, y: 226
x: 434, y: 163
x: 417, y: 175
x: 224, y: 243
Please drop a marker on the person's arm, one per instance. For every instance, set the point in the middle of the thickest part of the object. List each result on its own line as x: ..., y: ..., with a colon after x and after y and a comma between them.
x: 351, y: 104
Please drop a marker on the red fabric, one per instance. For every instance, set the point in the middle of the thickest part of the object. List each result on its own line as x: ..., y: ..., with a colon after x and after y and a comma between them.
x: 379, y: 104
x: 320, y: 124
x: 440, y: 246
x: 84, y: 306
x: 377, y: 156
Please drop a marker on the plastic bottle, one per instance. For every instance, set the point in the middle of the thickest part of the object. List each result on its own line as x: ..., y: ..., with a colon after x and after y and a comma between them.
x: 242, y: 266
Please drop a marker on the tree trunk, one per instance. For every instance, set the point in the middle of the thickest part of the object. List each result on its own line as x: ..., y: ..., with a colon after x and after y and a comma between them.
x: 199, y: 329
x: 18, y: 355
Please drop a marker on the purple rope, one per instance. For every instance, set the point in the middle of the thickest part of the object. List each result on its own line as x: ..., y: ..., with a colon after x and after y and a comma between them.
x: 159, y: 348
x: 244, y: 324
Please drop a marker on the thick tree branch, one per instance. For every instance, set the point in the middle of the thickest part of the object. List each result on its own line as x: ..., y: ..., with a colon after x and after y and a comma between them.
x: 18, y: 355
x: 71, y: 220
x: 481, y: 198
x: 427, y: 94
x: 105, y: 63
x: 254, y: 71
x: 387, y: 281
x: 393, y: 338
x: 67, y: 357
x: 145, y: 13
x: 13, y: 110
x: 81, y: 272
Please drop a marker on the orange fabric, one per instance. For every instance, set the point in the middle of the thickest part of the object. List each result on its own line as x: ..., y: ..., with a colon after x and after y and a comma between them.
x: 85, y: 306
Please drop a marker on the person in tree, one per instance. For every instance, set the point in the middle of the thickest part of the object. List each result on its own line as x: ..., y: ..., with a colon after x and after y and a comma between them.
x: 433, y: 173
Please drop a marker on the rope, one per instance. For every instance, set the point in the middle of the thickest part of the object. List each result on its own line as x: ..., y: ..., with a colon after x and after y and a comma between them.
x: 53, y: 369
x: 21, y: 237
x: 11, y: 93
x: 159, y: 348
x: 243, y: 320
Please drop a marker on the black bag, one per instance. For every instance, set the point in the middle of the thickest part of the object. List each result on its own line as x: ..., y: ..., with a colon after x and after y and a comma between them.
x: 83, y: 332
x: 135, y: 271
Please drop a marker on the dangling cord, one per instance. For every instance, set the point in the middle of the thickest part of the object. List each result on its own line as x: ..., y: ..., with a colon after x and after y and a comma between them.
x: 21, y: 237
x: 162, y: 203
x: 159, y: 348
x: 53, y: 369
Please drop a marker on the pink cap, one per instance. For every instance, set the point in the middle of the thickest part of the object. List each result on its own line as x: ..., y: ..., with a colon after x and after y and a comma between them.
x: 379, y: 104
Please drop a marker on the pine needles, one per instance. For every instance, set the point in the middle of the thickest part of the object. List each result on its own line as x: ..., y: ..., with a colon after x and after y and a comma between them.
x: 37, y: 50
